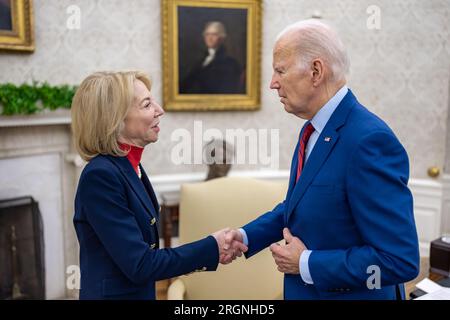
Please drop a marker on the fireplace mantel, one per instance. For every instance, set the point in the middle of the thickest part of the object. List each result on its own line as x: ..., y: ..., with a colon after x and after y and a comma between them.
x: 57, y: 117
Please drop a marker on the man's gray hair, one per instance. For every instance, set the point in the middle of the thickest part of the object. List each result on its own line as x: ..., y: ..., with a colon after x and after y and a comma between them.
x: 315, y: 39
x: 220, y: 28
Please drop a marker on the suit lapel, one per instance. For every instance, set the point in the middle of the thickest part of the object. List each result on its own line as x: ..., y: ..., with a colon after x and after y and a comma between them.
x: 136, y: 184
x: 148, y: 186
x: 324, y: 145
x: 151, y: 193
x: 317, y: 157
x: 293, y: 172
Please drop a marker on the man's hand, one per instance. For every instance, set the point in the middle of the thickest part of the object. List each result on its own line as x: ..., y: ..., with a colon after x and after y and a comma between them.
x: 287, y: 256
x: 229, y: 247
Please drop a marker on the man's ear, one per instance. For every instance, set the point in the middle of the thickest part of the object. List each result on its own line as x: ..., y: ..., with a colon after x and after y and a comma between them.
x: 317, y: 71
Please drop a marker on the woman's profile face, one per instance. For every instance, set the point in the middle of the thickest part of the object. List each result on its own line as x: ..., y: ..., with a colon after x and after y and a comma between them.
x: 141, y: 123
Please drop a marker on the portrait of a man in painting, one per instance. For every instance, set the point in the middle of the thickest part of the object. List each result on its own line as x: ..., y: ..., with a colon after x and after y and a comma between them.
x: 5, y: 15
x: 215, y: 71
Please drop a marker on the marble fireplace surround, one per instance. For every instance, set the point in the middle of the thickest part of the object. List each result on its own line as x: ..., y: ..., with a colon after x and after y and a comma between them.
x: 37, y: 159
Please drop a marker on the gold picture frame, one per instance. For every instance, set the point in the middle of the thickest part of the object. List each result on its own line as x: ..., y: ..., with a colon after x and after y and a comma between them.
x: 230, y: 79
x: 17, y: 28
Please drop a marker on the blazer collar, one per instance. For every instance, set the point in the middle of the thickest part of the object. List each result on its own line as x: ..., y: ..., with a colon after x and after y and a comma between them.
x: 137, y: 185
x: 148, y: 186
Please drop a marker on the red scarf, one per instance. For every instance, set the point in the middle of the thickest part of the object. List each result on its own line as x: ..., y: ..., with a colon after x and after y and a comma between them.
x: 134, y: 154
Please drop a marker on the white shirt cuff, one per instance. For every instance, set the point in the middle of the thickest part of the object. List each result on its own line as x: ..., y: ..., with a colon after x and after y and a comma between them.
x: 244, y: 236
x: 304, y: 267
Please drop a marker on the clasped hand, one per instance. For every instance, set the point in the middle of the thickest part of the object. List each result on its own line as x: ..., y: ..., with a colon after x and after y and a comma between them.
x: 287, y: 257
x: 230, y: 244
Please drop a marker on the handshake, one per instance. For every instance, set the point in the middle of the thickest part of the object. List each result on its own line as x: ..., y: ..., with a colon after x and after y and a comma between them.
x: 286, y: 256
x: 231, y: 244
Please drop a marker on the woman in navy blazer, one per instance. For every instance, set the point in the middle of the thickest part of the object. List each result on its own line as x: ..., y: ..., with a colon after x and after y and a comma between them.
x: 114, y: 117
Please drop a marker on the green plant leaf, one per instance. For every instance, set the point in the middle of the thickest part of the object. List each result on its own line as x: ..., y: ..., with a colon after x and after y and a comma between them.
x: 30, y: 99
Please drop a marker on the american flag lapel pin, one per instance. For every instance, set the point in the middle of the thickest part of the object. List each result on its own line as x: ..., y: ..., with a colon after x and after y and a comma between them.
x: 327, y: 139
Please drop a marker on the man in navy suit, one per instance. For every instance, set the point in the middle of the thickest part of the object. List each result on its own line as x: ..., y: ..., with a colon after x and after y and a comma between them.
x: 347, y: 219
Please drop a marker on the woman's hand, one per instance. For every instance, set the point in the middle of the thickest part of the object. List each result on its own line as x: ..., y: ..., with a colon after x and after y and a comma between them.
x: 228, y: 252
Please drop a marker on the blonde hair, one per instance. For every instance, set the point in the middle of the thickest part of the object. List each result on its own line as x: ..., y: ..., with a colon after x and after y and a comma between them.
x: 98, y: 110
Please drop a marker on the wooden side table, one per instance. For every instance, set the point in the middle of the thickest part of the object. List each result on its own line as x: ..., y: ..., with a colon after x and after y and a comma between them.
x: 169, y: 217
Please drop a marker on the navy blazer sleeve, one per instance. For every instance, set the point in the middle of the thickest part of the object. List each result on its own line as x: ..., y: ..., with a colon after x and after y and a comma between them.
x: 382, y: 208
x: 104, y: 204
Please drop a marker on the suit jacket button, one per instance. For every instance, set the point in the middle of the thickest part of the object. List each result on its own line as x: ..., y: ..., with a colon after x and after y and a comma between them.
x: 152, y: 246
x: 152, y: 222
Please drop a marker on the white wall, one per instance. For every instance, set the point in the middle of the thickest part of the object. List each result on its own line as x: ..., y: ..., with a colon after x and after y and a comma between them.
x: 401, y: 71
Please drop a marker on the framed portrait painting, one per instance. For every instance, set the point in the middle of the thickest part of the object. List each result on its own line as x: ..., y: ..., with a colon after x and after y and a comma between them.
x: 16, y: 25
x: 211, y: 54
